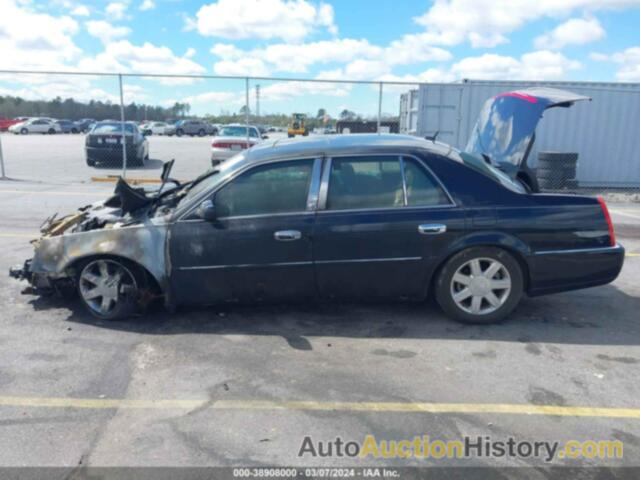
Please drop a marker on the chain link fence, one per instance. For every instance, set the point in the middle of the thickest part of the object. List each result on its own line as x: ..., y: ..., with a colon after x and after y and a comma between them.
x: 68, y: 127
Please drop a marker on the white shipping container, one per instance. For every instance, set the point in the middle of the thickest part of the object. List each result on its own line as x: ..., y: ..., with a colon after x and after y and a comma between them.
x: 604, y: 132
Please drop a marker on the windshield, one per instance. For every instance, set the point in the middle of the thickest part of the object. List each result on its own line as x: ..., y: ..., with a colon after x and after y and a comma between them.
x: 237, y: 132
x: 213, y: 179
x: 112, y: 128
x: 490, y: 171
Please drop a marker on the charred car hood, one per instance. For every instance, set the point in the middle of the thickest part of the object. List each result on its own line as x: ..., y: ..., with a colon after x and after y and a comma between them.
x: 505, y: 129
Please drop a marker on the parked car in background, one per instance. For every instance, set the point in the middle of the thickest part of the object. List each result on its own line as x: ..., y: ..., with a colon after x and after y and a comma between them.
x: 231, y: 139
x: 36, y: 125
x: 103, y: 144
x: 154, y: 128
x: 5, y: 123
x: 191, y: 127
x: 85, y: 124
x: 67, y: 126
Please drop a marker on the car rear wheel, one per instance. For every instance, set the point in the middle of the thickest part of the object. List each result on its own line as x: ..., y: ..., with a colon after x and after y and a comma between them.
x: 51, y: 131
x: 179, y: 132
x: 108, y: 288
x: 201, y: 133
x: 91, y: 163
x: 480, y: 285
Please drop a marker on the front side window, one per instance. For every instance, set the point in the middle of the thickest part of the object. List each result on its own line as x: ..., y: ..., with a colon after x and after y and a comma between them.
x: 266, y: 189
x: 422, y: 188
x: 365, y: 182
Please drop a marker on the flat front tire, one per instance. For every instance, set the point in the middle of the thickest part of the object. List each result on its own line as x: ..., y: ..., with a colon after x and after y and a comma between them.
x: 109, y: 288
x: 480, y: 285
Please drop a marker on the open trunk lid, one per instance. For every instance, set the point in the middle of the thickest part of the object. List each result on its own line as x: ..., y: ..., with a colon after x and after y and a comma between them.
x: 505, y: 130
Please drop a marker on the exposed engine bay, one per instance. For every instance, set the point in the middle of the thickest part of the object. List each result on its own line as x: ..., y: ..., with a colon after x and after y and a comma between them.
x: 128, y: 206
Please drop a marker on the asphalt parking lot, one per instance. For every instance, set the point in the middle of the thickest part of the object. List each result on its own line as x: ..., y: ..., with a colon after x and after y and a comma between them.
x: 244, y: 385
x: 61, y: 158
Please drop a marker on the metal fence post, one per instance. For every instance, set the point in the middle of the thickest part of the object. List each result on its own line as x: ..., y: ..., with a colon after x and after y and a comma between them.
x: 246, y: 106
x: 380, y: 107
x: 124, y: 140
x: 4, y: 176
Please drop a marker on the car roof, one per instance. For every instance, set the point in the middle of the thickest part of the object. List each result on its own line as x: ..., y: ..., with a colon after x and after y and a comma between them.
x: 350, y: 144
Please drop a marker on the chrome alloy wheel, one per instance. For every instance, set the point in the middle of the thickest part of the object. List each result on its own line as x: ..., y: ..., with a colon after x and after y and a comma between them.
x: 104, y: 283
x: 481, y: 286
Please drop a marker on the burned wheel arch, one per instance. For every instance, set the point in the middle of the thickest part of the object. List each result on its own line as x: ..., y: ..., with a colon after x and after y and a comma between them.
x: 143, y: 245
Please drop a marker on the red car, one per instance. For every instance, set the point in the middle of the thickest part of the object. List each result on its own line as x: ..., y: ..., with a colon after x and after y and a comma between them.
x: 5, y: 123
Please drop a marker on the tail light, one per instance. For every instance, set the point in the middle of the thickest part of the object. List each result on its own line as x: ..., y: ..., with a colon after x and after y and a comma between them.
x: 607, y: 217
x: 229, y: 145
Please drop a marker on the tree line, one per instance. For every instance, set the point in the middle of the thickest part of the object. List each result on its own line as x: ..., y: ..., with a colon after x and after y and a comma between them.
x: 11, y: 107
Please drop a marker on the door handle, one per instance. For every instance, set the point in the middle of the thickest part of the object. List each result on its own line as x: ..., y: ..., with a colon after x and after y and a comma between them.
x: 432, y: 228
x: 287, y: 235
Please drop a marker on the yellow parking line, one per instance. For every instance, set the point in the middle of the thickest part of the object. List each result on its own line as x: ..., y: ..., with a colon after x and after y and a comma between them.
x: 50, y: 192
x: 391, y: 407
x: 18, y: 235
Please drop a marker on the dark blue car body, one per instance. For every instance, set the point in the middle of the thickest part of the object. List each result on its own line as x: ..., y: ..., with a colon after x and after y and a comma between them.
x: 430, y: 218
x: 561, y: 241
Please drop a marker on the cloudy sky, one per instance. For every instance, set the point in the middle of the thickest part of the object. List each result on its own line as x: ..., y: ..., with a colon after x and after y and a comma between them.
x: 416, y: 41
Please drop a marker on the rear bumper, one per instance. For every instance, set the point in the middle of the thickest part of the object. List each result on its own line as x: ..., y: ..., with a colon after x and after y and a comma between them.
x: 223, y: 153
x: 555, y: 271
x: 110, y: 154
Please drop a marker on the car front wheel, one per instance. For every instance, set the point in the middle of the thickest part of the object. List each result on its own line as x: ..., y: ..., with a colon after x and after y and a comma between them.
x: 24, y: 131
x: 480, y: 285
x: 108, y: 288
x: 179, y: 132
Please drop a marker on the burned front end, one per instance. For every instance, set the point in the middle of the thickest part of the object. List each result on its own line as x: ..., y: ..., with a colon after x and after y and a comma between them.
x: 131, y: 225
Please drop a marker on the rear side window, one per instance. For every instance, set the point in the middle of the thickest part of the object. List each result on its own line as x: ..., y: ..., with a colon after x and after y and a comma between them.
x: 268, y: 189
x: 422, y: 188
x: 361, y: 182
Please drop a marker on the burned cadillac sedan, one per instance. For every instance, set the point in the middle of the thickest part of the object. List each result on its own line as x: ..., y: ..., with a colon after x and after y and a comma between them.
x: 339, y: 217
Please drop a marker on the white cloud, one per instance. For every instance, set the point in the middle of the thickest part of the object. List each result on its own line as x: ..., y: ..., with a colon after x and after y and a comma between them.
x: 485, y: 23
x: 290, y: 20
x: 116, y: 10
x: 147, y: 5
x: 539, y: 65
x: 190, y: 53
x: 30, y: 39
x: 629, y: 61
x: 367, y: 60
x: 241, y: 67
x: 123, y: 56
x: 105, y: 31
x: 81, y: 11
x: 285, y: 90
x: 575, y: 31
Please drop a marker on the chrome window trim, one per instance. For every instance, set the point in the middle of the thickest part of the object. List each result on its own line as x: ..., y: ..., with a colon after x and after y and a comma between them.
x: 233, y: 175
x: 324, y: 189
x: 404, y: 182
x: 615, y: 249
x: 324, y: 185
x: 314, y: 185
